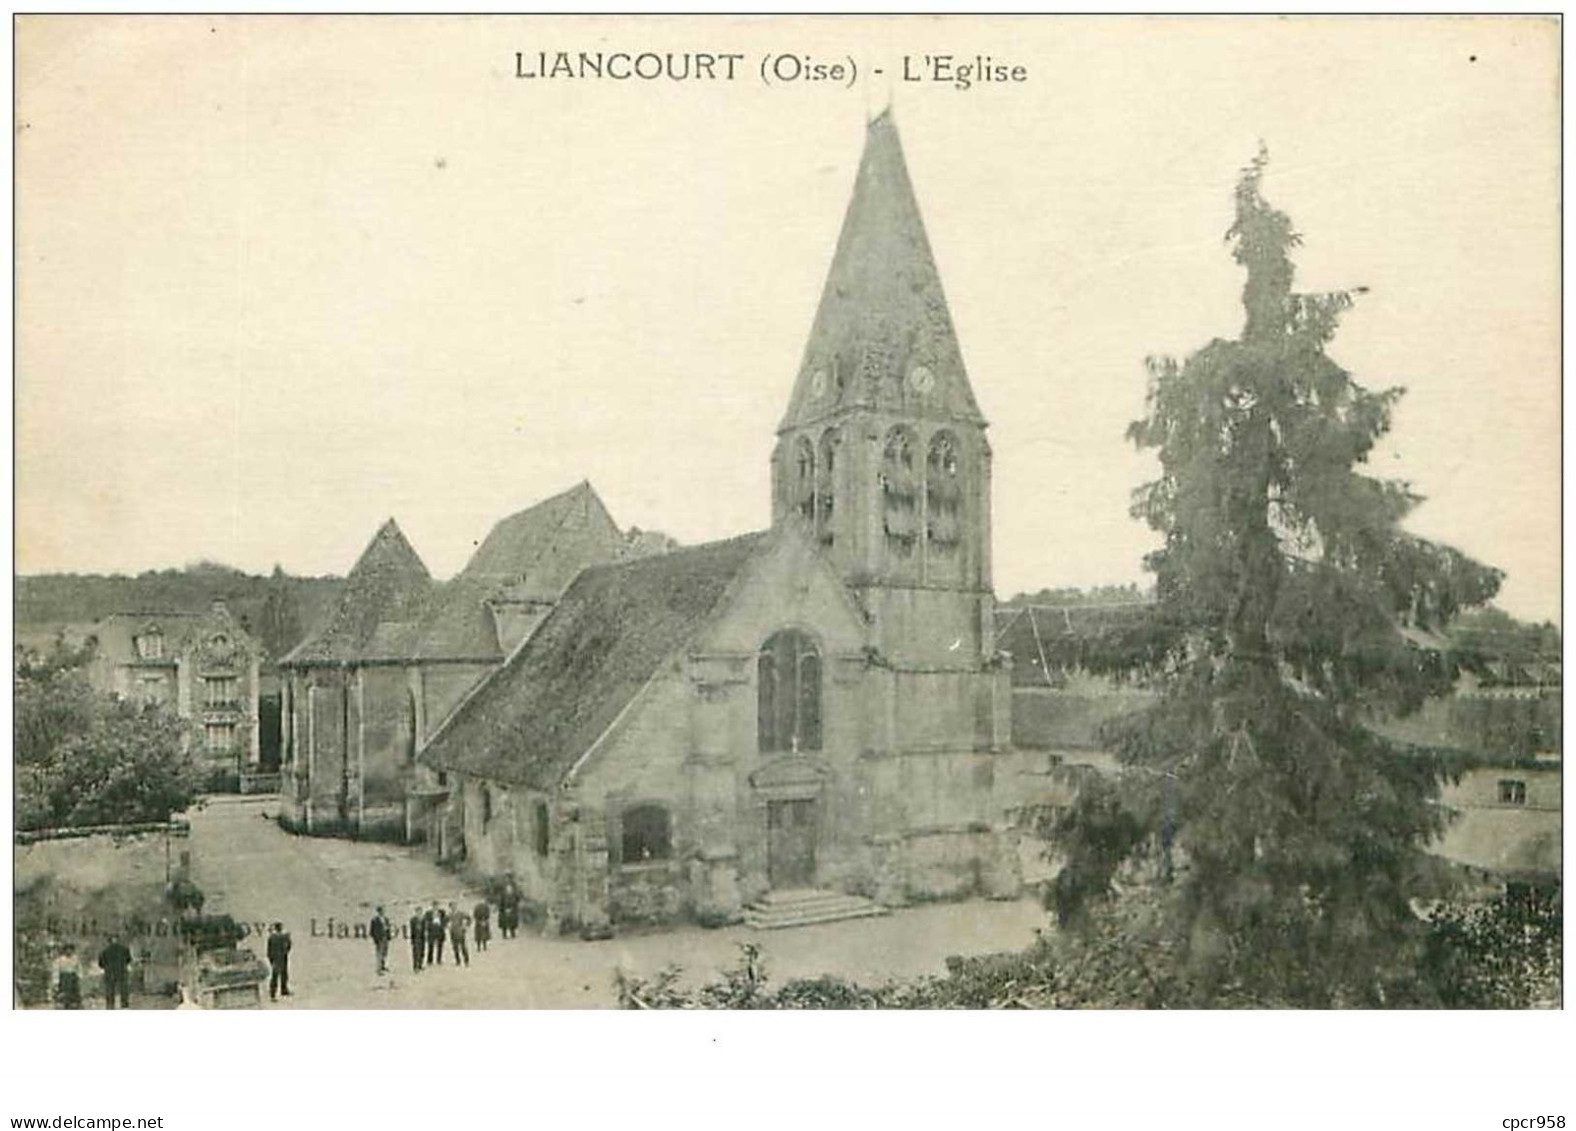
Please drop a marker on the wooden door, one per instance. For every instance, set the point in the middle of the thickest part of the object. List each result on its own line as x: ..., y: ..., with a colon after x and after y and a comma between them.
x: 790, y: 843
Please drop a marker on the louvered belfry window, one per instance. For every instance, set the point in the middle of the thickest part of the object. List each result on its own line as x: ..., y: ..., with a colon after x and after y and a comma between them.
x: 804, y: 479
x: 789, y: 686
x: 899, y: 492
x: 943, y: 494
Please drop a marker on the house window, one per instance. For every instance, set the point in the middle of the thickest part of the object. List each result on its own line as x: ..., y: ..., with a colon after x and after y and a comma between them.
x: 150, y: 645
x: 788, y: 673
x: 1512, y: 791
x: 221, y: 693
x: 220, y: 737
x: 539, y: 827
x: 487, y: 806
x: 646, y: 834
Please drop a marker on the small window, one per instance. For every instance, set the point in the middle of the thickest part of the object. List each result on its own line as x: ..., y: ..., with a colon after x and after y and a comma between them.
x: 1512, y: 791
x: 220, y: 737
x: 150, y: 645
x: 221, y: 692
x: 487, y: 806
x: 540, y: 830
x: 646, y: 834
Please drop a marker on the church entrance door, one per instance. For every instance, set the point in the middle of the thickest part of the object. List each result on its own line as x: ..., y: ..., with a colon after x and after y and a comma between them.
x: 790, y: 844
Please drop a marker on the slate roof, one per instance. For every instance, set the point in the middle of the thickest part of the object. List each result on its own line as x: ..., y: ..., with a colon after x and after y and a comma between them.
x: 116, y: 633
x: 531, y: 720
x: 882, y: 311
x: 458, y: 624
x: 382, y: 597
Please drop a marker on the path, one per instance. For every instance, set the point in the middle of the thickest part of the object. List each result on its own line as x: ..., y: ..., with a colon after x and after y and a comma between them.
x: 253, y: 870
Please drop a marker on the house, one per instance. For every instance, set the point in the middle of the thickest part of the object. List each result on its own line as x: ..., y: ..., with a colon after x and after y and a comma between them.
x: 205, y: 666
x: 398, y: 652
x: 719, y: 730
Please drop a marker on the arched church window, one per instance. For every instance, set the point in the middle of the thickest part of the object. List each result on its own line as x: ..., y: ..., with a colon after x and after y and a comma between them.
x: 646, y: 834
x: 788, y: 671
x: 899, y: 485
x: 826, y: 488
x: 944, y: 494
x: 804, y: 479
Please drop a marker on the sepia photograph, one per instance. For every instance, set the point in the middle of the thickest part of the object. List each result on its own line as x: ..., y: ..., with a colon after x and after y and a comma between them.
x: 787, y: 513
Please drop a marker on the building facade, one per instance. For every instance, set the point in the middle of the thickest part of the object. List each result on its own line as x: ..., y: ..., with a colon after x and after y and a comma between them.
x: 817, y: 706
x: 204, y: 666
x: 399, y: 652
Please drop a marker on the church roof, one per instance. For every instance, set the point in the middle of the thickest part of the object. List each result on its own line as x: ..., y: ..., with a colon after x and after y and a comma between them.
x: 458, y: 625
x: 383, y: 595
x: 533, y: 718
x: 882, y: 335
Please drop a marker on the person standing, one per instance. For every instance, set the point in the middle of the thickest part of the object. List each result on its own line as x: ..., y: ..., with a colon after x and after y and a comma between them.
x: 459, y: 924
x: 65, y: 978
x: 483, y: 915
x: 437, y: 927
x: 508, y: 911
x: 381, y: 930
x: 115, y: 961
x: 418, y: 937
x: 278, y: 962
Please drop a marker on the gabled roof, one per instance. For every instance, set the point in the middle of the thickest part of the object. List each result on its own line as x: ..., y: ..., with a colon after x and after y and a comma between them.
x: 382, y: 597
x: 882, y: 313
x: 531, y: 720
x: 458, y: 625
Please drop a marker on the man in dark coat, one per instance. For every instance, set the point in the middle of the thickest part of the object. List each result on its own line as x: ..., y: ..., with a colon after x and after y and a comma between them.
x: 115, y: 961
x: 418, y: 938
x: 508, y: 911
x: 278, y: 962
x: 381, y: 931
x: 459, y: 924
x: 437, y: 929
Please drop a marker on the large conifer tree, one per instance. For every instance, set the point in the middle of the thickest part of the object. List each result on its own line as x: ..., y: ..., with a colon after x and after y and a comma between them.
x: 1292, y: 613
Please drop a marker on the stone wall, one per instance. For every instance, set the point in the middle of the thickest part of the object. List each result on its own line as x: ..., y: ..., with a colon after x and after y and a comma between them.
x: 82, y: 887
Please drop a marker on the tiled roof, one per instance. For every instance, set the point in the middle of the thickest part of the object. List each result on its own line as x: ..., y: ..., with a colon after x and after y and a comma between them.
x: 531, y: 720
x: 458, y: 624
x: 387, y: 589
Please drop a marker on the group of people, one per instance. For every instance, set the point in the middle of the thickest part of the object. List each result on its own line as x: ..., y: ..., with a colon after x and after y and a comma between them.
x: 432, y: 927
x: 66, y: 976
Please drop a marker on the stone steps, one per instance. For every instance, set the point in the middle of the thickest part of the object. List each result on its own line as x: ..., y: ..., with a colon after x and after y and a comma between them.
x: 779, y: 909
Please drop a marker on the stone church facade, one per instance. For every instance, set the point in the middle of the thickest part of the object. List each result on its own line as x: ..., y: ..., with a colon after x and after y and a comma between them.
x: 817, y: 706
x: 399, y: 652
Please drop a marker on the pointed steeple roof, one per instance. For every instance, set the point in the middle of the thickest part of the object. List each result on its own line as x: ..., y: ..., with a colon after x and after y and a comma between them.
x: 882, y: 334
x: 384, y: 594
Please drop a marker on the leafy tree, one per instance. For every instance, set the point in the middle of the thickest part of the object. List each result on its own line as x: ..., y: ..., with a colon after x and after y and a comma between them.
x: 1279, y: 829
x: 280, y: 625
x: 86, y: 758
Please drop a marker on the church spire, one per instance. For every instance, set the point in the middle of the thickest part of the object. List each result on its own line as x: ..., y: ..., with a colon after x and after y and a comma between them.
x: 882, y: 335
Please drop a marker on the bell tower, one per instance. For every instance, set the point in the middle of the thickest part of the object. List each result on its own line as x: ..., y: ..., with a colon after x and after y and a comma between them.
x: 882, y: 451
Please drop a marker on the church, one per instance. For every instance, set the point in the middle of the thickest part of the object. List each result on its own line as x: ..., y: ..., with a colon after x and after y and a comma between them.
x: 812, y: 720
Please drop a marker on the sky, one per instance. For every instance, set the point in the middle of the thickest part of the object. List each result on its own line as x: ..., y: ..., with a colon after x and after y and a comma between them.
x: 280, y: 278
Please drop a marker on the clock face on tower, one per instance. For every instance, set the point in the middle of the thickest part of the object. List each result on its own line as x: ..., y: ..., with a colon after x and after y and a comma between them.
x: 921, y: 379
